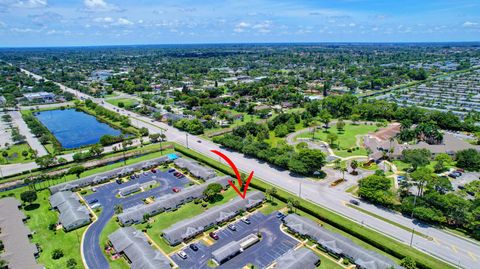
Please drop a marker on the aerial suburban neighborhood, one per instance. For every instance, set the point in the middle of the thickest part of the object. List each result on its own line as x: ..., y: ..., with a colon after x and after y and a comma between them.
x: 239, y: 134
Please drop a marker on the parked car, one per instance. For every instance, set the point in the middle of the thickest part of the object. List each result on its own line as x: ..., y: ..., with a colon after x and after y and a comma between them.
x: 400, y: 178
x: 214, y: 235
x: 280, y: 215
x: 153, y: 170
x: 93, y: 201
x: 461, y: 170
x: 176, y: 174
x: 180, y: 175
x: 171, y: 170
x: 354, y: 202
x: 94, y: 189
x: 182, y: 254
x: 232, y: 227
x: 119, y: 181
x: 193, y: 247
x: 199, y: 141
x: 94, y: 206
x: 132, y: 177
x: 246, y: 220
x: 454, y: 174
x: 176, y: 190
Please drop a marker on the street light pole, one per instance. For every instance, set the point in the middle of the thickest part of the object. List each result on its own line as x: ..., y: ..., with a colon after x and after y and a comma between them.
x: 300, y: 189
x: 186, y: 138
x: 414, y: 203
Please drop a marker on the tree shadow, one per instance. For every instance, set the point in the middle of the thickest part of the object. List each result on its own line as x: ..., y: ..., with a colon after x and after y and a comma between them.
x: 31, y: 207
x: 216, y: 198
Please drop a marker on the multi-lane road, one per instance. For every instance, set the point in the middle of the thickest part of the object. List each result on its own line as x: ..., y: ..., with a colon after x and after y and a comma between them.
x: 446, y: 246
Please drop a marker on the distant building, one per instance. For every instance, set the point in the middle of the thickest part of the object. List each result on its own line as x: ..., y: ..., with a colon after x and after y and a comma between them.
x: 134, y: 245
x: 19, y: 252
x: 44, y: 97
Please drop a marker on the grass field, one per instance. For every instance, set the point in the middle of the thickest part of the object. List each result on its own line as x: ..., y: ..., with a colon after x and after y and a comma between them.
x: 126, y: 101
x: 346, y: 140
x: 15, y: 154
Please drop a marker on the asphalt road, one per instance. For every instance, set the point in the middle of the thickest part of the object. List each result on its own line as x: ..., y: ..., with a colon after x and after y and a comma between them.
x: 451, y: 248
x: 105, y: 194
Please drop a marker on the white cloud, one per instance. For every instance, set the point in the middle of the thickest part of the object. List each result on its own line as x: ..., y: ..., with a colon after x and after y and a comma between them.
x: 123, y: 21
x: 24, y: 3
x: 241, y: 26
x: 95, y: 4
x: 263, y: 27
x: 104, y: 19
x: 470, y: 24
x: 99, y: 5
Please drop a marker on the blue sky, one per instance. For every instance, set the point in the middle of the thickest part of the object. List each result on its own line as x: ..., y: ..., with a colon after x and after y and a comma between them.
x: 110, y: 22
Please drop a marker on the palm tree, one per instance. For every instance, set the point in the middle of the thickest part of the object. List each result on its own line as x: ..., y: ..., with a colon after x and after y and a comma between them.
x: 354, y: 166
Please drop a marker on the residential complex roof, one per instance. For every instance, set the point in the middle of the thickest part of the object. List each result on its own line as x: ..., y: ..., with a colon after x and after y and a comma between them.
x: 134, y: 244
x: 338, y: 244
x: 102, y: 177
x: 135, y: 214
x: 190, y: 227
x: 19, y: 251
x: 227, y: 251
x: 195, y: 168
x: 72, y: 213
x: 302, y: 258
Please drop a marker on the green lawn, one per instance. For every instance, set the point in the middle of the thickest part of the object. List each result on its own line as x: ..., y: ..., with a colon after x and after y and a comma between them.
x: 15, y: 154
x: 346, y: 140
x: 326, y: 263
x: 167, y: 219
x: 126, y: 101
x: 49, y: 240
x: 111, y: 227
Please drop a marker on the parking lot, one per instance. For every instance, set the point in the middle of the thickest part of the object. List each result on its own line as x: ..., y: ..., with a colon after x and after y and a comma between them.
x: 105, y: 195
x: 273, y: 244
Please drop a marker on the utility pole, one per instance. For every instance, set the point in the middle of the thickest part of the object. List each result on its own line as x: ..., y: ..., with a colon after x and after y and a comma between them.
x: 414, y: 203
x: 300, y: 189
x: 186, y: 138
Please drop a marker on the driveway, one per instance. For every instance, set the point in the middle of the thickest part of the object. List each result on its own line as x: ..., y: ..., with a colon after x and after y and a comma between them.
x: 273, y: 244
x: 105, y: 194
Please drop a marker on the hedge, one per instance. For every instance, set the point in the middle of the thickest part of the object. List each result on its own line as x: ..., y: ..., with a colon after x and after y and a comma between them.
x: 377, y: 240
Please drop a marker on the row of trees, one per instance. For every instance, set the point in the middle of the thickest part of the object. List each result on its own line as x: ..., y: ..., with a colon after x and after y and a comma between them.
x: 250, y: 140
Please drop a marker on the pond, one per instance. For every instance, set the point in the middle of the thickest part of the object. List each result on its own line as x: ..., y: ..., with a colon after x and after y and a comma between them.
x: 74, y: 129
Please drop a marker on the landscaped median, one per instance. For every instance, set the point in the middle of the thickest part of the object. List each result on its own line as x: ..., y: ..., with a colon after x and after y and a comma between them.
x: 373, y: 238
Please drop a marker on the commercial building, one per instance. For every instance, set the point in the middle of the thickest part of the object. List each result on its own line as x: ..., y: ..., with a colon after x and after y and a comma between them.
x: 189, y: 228
x: 195, y: 168
x: 134, y: 245
x: 106, y: 176
x: 337, y: 244
x: 302, y: 258
x: 168, y: 202
x: 72, y: 213
x: 18, y: 252
x: 45, y: 97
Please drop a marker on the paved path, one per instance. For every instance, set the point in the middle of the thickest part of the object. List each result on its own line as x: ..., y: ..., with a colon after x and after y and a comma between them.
x: 448, y: 247
x: 25, y: 131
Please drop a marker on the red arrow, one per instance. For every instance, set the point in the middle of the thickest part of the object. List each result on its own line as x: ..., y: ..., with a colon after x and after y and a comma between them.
x: 239, y: 178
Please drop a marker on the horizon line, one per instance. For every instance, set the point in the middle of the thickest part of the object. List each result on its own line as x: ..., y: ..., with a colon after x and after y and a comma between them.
x: 246, y: 43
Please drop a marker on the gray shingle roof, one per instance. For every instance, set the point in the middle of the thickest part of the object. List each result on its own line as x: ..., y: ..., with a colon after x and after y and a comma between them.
x: 129, y: 189
x: 302, y: 258
x: 134, y: 244
x: 72, y: 213
x: 19, y: 251
x: 195, y: 168
x: 101, y: 177
x: 135, y: 214
x: 338, y: 244
x: 190, y: 227
x: 227, y: 251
